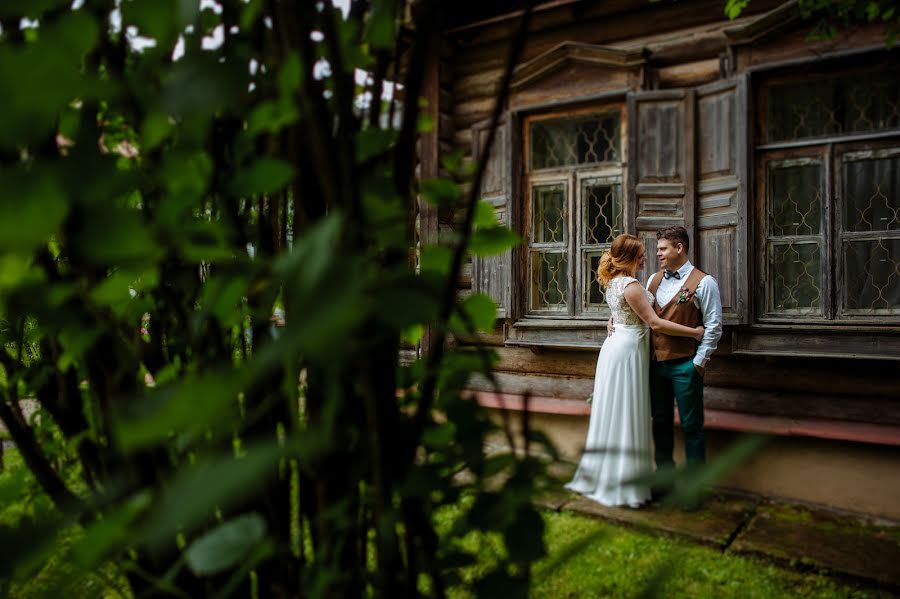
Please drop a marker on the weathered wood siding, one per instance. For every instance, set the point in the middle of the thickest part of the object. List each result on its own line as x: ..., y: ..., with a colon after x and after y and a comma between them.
x: 688, y: 164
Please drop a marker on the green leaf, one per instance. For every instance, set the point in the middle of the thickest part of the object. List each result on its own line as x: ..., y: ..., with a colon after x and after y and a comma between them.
x: 32, y: 207
x: 31, y: 9
x: 115, y: 290
x: 111, y: 533
x: 251, y: 12
x: 734, y: 8
x: 484, y: 216
x: 265, y: 175
x: 76, y: 338
x: 425, y: 124
x: 152, y: 18
x: 373, y: 142
x: 290, y: 77
x: 186, y: 176
x: 381, y: 27
x: 155, y: 130
x: 479, y: 310
x: 193, y: 405
x: 436, y: 259
x: 199, y: 85
x: 438, y: 436
x: 15, y: 270
x: 412, y: 335
x: 116, y: 236
x: 222, y: 296
x: 226, y: 545
x: 214, y: 483
x: 407, y: 301
x: 493, y: 241
x: 439, y: 191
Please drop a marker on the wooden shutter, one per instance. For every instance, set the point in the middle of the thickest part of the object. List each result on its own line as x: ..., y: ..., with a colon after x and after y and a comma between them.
x: 721, y: 214
x: 660, y: 158
x: 492, y: 275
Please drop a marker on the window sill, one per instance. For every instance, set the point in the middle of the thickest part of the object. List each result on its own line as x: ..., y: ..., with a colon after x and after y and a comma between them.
x: 558, y: 334
x: 807, y: 341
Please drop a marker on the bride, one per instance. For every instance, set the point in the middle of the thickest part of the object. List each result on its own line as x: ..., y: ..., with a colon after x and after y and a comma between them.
x: 618, y: 446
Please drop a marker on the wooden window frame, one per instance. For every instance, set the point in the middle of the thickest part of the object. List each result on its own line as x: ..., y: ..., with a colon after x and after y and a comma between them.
x: 571, y: 176
x: 830, y: 152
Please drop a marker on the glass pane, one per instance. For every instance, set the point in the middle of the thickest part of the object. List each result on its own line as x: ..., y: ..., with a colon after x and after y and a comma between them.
x: 578, y: 140
x: 601, y: 210
x: 872, y: 195
x: 849, y: 104
x: 795, y: 278
x: 548, y: 213
x: 549, y: 281
x: 872, y: 276
x: 594, y: 298
x: 795, y: 200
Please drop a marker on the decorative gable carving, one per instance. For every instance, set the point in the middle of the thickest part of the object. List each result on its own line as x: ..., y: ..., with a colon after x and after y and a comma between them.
x: 569, y: 54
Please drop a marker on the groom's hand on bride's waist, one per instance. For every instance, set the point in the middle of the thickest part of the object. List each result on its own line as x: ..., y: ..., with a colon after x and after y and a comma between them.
x: 610, y: 327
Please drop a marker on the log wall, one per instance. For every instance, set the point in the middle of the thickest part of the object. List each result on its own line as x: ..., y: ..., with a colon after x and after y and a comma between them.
x: 687, y: 47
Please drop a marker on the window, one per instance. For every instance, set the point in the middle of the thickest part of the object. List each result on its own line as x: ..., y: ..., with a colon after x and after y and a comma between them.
x: 575, y: 207
x: 828, y: 167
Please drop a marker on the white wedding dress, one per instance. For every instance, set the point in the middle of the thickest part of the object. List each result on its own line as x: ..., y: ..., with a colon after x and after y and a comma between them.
x: 618, y: 446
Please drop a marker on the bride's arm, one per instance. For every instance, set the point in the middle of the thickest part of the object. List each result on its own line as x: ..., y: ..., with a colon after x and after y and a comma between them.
x: 634, y: 295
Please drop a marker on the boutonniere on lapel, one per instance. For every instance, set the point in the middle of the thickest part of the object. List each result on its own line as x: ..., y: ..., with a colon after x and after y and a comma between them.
x: 684, y: 295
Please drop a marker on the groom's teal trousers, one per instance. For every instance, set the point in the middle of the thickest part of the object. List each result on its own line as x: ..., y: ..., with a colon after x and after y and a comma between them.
x: 678, y: 380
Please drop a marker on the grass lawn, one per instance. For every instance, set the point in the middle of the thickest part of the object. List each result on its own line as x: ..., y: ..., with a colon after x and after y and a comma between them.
x: 620, y: 562
x: 592, y: 558
x: 587, y: 558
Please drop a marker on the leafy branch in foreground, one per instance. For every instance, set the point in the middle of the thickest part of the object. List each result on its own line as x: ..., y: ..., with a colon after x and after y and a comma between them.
x: 171, y: 176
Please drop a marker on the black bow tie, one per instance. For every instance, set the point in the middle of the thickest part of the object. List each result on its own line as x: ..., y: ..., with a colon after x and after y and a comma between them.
x: 670, y: 273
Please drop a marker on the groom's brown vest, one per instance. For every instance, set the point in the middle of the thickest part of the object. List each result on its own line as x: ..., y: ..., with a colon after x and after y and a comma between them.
x: 667, y: 347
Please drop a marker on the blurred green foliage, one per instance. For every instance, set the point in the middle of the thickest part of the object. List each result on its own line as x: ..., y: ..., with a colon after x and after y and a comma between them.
x: 170, y: 173
x: 827, y: 17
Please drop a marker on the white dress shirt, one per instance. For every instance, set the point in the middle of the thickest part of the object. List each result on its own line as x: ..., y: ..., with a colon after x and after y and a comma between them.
x: 707, y: 300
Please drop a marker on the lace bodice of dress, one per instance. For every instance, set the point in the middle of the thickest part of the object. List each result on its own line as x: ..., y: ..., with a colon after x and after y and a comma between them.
x: 615, y: 297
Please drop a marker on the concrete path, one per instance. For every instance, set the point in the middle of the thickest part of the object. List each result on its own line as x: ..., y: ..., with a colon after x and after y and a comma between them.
x: 794, y: 536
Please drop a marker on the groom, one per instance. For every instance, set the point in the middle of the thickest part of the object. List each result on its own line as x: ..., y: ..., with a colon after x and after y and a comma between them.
x: 688, y: 296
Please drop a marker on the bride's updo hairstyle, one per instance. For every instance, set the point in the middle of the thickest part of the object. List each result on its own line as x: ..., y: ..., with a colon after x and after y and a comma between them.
x: 622, y: 257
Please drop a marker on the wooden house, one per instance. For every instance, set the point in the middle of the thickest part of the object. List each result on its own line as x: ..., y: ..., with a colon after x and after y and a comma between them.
x: 779, y: 154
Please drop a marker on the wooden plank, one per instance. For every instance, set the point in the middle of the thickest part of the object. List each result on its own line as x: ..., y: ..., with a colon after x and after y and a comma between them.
x: 794, y: 46
x: 718, y: 251
x: 540, y: 405
x: 553, y: 362
x: 571, y: 81
x: 540, y: 385
x: 851, y: 408
x: 860, y: 345
x: 689, y: 74
x: 720, y: 226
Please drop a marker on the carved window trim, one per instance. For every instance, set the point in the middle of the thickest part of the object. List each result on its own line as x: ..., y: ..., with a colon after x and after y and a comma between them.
x: 571, y: 177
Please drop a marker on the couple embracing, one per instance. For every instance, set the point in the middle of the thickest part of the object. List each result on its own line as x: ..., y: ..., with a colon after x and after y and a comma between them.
x: 660, y: 339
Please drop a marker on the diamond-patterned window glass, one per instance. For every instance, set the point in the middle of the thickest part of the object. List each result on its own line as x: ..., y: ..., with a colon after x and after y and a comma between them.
x: 548, y: 215
x: 795, y: 232
x: 872, y: 276
x: 795, y: 199
x: 601, y: 210
x: 594, y: 298
x: 795, y: 277
x: 549, y: 280
x: 575, y: 140
x: 835, y: 106
x: 872, y: 194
